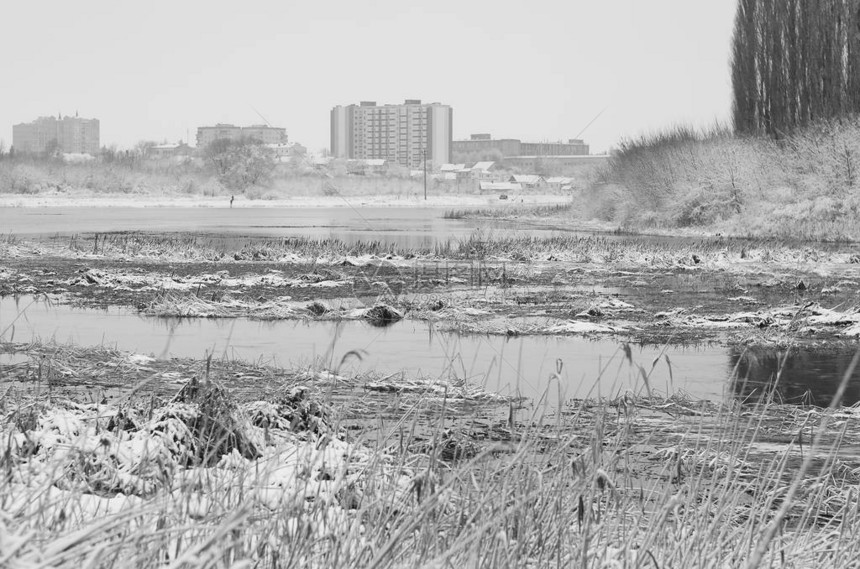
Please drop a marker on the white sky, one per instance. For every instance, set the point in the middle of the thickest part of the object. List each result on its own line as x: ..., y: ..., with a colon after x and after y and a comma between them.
x: 536, y: 70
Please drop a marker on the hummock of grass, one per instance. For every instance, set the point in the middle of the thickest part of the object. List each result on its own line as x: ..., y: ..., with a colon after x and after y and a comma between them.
x: 191, y: 306
x: 202, y: 479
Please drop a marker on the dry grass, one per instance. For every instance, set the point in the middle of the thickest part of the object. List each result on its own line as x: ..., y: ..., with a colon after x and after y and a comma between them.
x: 628, y: 481
x: 801, y: 187
x: 479, y: 245
x: 509, y: 212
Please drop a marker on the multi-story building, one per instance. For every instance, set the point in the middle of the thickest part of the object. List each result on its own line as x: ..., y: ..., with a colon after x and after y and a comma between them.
x: 206, y: 135
x: 69, y: 135
x: 401, y: 134
x: 509, y: 147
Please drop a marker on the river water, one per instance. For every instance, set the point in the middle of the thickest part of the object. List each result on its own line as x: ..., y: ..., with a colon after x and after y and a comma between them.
x: 530, y: 366
x: 402, y: 226
x: 509, y: 365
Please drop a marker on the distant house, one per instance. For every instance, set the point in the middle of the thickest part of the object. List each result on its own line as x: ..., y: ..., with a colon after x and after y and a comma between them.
x: 559, y: 182
x: 528, y: 181
x: 368, y: 166
x: 319, y: 162
x: 482, y: 171
x: 499, y: 186
x: 160, y: 151
x: 455, y: 171
x: 285, y: 152
x: 278, y: 150
x: 377, y: 165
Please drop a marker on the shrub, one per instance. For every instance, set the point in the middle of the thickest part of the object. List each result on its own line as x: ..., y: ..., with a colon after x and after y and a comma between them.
x: 682, y: 178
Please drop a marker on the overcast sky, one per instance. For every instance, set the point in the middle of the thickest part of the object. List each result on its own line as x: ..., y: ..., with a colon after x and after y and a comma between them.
x: 535, y: 70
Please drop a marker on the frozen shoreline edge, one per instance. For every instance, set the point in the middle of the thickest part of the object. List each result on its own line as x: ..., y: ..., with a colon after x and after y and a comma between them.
x: 223, y: 202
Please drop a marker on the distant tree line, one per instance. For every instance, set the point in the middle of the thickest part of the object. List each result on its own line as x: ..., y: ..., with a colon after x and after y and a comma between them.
x: 794, y: 62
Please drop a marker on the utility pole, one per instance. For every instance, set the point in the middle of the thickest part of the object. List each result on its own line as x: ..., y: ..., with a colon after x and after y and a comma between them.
x: 424, y: 159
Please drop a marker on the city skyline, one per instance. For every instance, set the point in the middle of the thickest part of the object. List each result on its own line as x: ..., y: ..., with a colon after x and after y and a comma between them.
x: 543, y: 74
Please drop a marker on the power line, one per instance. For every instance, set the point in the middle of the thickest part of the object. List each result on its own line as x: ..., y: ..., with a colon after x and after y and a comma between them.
x: 591, y: 121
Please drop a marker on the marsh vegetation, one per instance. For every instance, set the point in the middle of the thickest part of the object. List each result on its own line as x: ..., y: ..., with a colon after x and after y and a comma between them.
x: 160, y: 463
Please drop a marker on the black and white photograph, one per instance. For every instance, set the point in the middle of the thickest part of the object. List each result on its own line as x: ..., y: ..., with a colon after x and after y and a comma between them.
x: 435, y: 284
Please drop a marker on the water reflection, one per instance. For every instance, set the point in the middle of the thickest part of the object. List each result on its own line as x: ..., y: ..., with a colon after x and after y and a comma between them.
x: 804, y: 375
x: 522, y: 365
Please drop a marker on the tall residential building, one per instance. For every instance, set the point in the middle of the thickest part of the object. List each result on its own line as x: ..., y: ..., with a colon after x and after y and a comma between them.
x: 402, y: 134
x: 70, y: 135
x: 206, y: 135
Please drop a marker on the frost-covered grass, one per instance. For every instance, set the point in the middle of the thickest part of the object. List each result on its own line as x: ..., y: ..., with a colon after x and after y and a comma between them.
x: 803, y: 186
x: 510, y: 211
x: 203, y: 479
x: 632, y: 250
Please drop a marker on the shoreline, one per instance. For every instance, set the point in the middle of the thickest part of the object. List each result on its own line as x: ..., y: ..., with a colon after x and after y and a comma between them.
x: 223, y: 202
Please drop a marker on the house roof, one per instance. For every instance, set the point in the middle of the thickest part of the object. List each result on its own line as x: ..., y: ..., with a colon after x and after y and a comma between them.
x: 526, y: 178
x: 375, y: 162
x: 484, y: 166
x: 559, y: 180
x: 452, y: 167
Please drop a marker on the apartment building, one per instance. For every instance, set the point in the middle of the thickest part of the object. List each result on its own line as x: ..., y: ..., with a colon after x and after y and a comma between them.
x: 68, y: 135
x: 401, y: 134
x: 206, y: 135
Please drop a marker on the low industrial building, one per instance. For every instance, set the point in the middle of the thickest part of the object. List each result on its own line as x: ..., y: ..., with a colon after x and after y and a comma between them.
x: 507, y: 147
x: 265, y: 134
x: 568, y: 163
